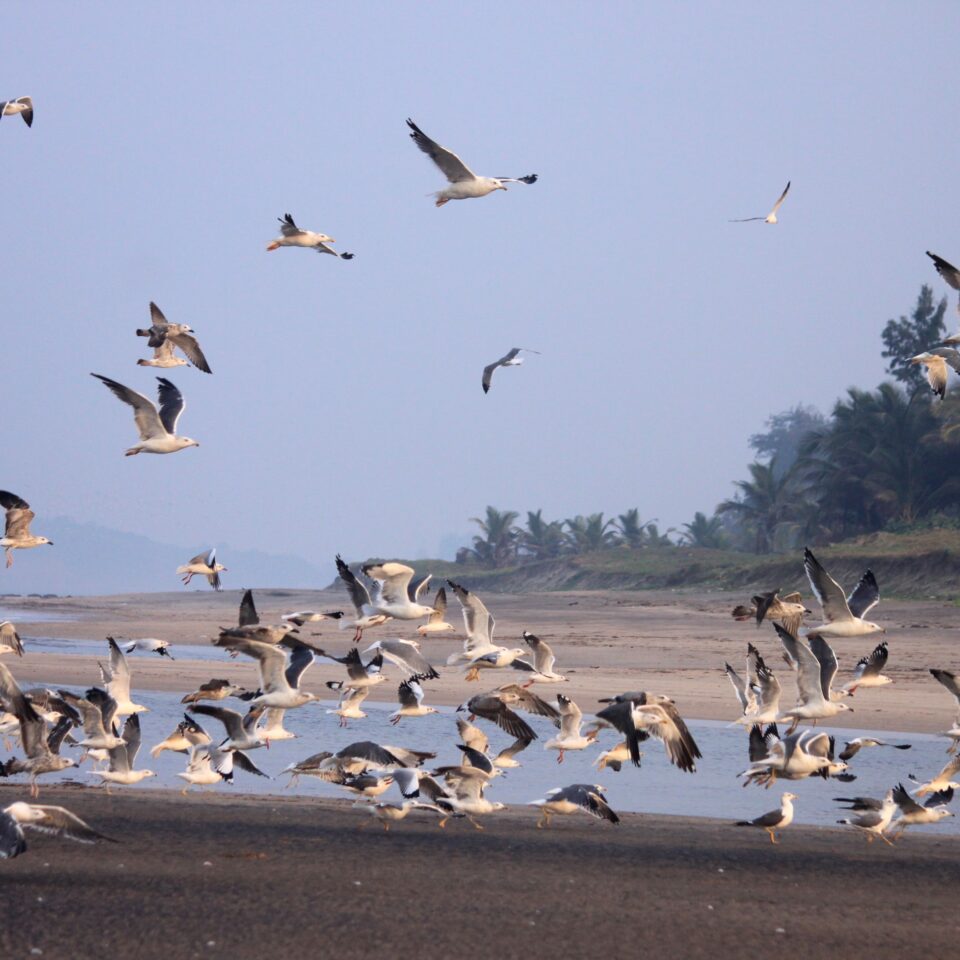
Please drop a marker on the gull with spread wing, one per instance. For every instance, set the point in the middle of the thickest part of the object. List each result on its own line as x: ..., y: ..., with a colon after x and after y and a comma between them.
x: 163, y: 334
x: 16, y: 533
x: 510, y: 359
x: 292, y: 236
x: 771, y: 217
x: 842, y: 616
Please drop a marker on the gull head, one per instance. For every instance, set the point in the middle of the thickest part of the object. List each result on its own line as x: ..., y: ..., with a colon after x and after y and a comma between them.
x: 44, y: 540
x: 873, y: 627
x: 183, y: 442
x: 789, y: 796
x: 841, y: 707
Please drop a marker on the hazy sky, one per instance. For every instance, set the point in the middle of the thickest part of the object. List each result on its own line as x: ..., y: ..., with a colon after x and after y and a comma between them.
x: 345, y: 411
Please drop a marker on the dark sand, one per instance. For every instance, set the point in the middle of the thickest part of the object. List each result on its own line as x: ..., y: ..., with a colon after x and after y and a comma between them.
x: 232, y: 876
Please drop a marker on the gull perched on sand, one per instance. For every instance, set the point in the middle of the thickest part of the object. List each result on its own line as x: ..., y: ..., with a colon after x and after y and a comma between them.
x: 868, y: 671
x: 116, y: 678
x: 22, y: 105
x: 570, y: 736
x: 366, y: 614
x: 873, y: 823
x: 464, y: 183
x: 150, y: 645
x: 948, y: 271
x: 510, y: 359
x: 771, y: 217
x: 775, y: 820
x: 10, y: 641
x: 478, y: 624
x: 936, y: 361
x: 57, y: 821
x: 41, y: 750
x: 157, y: 427
x: 585, y: 797
x: 395, y: 598
x: 435, y: 621
x: 205, y: 565
x: 789, y: 609
x: 843, y: 616
x: 16, y: 533
x: 292, y: 236
x: 162, y: 333
x: 816, y: 668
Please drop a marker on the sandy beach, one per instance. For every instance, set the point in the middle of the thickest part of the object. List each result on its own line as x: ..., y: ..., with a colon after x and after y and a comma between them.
x: 228, y: 874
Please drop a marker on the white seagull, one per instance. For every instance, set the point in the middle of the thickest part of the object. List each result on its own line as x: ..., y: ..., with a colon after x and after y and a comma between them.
x: 541, y: 670
x: 44, y: 819
x: 116, y: 678
x: 150, y: 645
x: 366, y: 615
x: 205, y: 565
x: 775, y: 820
x: 394, y: 598
x: 407, y: 656
x: 279, y: 676
x: 180, y: 335
x: 464, y: 183
x: 22, y: 105
x: 816, y: 669
x: 570, y: 737
x: 292, y: 236
x: 510, y: 359
x: 868, y: 671
x: 936, y: 361
x: 873, y: 823
x: 843, y: 616
x: 435, y: 621
x: 410, y: 695
x: 478, y: 623
x: 123, y: 757
x: 16, y: 533
x: 157, y: 428
x: 771, y: 217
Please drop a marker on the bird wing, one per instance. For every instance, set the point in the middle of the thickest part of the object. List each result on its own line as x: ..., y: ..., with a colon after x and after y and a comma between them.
x: 872, y: 665
x: 271, y: 660
x: 543, y: 657
x: 518, y: 746
x: 416, y: 589
x: 156, y: 316
x: 171, y: 404
x: 571, y: 717
x: 904, y: 801
x: 828, y: 663
x: 145, y: 415
x: 187, y: 342
x: 60, y: 821
x: 451, y: 166
x: 231, y: 720
x: 527, y: 700
x: 288, y: 228
x: 783, y: 196
x: 770, y: 689
x: 12, y: 843
x: 301, y: 656
x: 18, y: 516
x: 394, y: 580
x: 131, y: 737
x: 478, y: 622
x: 828, y: 592
x: 949, y: 680
x: 410, y: 694
x: 439, y: 606
x: 808, y: 666
x: 359, y: 594
x: 666, y: 724
x: 406, y: 656
x: 494, y: 709
x: 117, y: 676
x: 864, y: 596
x: 248, y: 610
x: 947, y: 270
x: 739, y: 687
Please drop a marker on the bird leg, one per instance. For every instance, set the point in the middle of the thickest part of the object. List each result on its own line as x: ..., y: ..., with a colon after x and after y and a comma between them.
x: 885, y: 839
x: 395, y: 720
x: 474, y: 822
x: 773, y: 836
x: 9, y: 557
x: 386, y: 826
x: 544, y: 820
x: 523, y: 686
x: 560, y: 757
x: 441, y: 201
x: 343, y: 721
x: 473, y: 674
x: 443, y: 823
x: 358, y: 633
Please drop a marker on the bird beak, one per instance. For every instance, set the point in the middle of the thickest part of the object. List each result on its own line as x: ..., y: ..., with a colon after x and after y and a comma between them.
x: 49, y: 543
x: 503, y: 186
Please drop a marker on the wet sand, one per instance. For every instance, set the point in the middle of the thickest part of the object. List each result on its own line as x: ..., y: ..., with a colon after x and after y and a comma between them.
x: 225, y: 876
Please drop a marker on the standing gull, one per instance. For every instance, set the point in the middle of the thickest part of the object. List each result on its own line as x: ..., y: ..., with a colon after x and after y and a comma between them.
x: 292, y: 236
x: 205, y: 565
x: 511, y: 359
x: 873, y: 823
x: 464, y: 183
x: 771, y: 217
x: 177, y: 335
x: 16, y: 534
x: 776, y: 819
x: 157, y: 428
x: 22, y: 105
x: 843, y: 616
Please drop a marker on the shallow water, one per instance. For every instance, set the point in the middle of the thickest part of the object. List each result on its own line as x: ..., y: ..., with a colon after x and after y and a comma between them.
x: 657, y: 787
x: 17, y: 614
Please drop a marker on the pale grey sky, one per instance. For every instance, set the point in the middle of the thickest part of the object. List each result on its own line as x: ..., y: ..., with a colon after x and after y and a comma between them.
x: 345, y: 411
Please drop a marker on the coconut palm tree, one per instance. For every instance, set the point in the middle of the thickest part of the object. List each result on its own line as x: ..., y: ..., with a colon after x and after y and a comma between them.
x: 496, y: 546
x: 704, y: 531
x: 586, y: 534
x: 542, y: 539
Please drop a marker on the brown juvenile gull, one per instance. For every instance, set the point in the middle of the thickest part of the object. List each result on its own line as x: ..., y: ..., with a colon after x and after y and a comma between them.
x: 22, y: 105
x: 10, y: 641
x: 250, y: 628
x: 586, y: 797
x: 177, y: 335
x: 843, y: 616
x: 789, y: 609
x: 771, y: 217
x: 464, y: 183
x: 203, y: 564
x: 57, y: 821
x: 213, y: 690
x: 16, y: 534
x: 292, y: 236
x: 776, y: 819
x: 510, y: 359
x: 157, y: 427
x: 496, y: 707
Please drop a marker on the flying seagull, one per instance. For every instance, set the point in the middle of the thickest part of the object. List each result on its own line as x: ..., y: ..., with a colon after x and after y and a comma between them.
x: 44, y: 819
x: 16, y: 534
x: 464, y: 183
x: 843, y: 616
x: 292, y: 236
x: 22, y: 105
x: 587, y: 797
x: 789, y: 609
x: 157, y: 428
x: 203, y: 564
x: 936, y: 361
x: 948, y: 271
x: 162, y: 333
x: 771, y: 217
x: 395, y: 597
x: 510, y: 359
x: 10, y: 641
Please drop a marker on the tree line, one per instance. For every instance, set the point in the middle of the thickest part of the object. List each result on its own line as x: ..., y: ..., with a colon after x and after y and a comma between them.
x: 886, y: 459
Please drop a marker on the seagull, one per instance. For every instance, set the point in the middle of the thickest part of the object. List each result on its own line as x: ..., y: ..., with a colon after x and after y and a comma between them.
x: 388, y: 813
x: 300, y: 617
x: 359, y: 674
x: 44, y: 819
x: 366, y: 615
x: 22, y: 105
x: 760, y: 695
x: 394, y: 597
x: 936, y: 361
x: 435, y: 622
x: 789, y: 609
x: 496, y: 707
x: 241, y: 728
x: 464, y: 183
x: 163, y: 357
x: 410, y: 695
x: 873, y: 823
x: 368, y: 784
x: 473, y: 736
x: 843, y: 616
x: 465, y: 787
x: 510, y: 359
x: 406, y: 655
x: 178, y: 335
x: 867, y: 672
x: 97, y: 716
x: 10, y: 641
x: 942, y: 780
x: 209, y: 766
x: 272, y: 728
x: 950, y: 274
x: 771, y: 217
x: 157, y: 428
x: 507, y: 757
x: 541, y: 670
x: 250, y: 628
x: 776, y: 819
x: 816, y: 669
x: 478, y: 624
x: 496, y: 659
x: 187, y: 735
x: 570, y: 737
x: 614, y: 758
x: 279, y: 675
x: 150, y: 645
x: 204, y: 564
x: 116, y: 678
x: 123, y: 757
x: 16, y: 534
x: 852, y: 747
x: 365, y: 754
x: 795, y: 757
x: 587, y: 797
x: 350, y: 699
x: 911, y: 812
x: 213, y: 690
x: 292, y: 236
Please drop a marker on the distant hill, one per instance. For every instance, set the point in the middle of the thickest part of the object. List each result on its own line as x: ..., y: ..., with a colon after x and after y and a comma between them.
x: 88, y: 559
